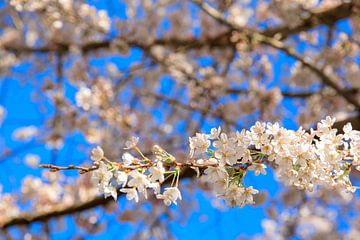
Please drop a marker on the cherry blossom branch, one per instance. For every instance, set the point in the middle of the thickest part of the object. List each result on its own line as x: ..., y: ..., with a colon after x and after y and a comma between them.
x: 28, y: 219
x: 258, y: 37
x: 223, y: 160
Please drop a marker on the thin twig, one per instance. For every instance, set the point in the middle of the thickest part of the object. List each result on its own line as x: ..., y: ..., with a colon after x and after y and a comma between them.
x: 82, y: 170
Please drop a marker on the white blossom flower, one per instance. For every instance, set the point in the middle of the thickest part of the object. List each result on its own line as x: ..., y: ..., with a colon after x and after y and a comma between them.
x: 258, y: 168
x: 220, y: 186
x: 97, y: 154
x: 227, y: 154
x: 121, y: 177
x: 324, y: 126
x: 328, y: 122
x: 170, y: 195
x: 156, y: 187
x: 245, y: 156
x: 225, y: 141
x: 213, y: 174
x: 127, y: 158
x: 243, y: 138
x: 200, y: 142
x: 234, y: 196
x: 110, y: 191
x: 272, y: 129
x: 131, y: 194
x: 215, y: 132
x: 258, y: 128
x: 102, y: 176
x: 157, y: 172
x: 248, y: 195
x: 139, y: 181
x: 266, y: 149
x: 349, y: 133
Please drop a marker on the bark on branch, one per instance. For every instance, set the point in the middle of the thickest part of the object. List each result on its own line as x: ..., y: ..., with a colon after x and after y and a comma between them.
x: 27, y: 219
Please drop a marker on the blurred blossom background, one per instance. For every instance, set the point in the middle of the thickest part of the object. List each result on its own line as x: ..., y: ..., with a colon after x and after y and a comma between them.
x: 76, y: 74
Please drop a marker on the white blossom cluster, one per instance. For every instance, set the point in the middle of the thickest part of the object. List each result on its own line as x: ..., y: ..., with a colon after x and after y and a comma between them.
x: 135, y: 176
x: 300, y: 158
x: 42, y: 194
x: 54, y: 189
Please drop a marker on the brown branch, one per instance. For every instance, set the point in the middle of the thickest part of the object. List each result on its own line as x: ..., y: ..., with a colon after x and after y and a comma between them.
x: 317, y: 18
x: 82, y: 170
x: 289, y: 94
x: 27, y: 219
x: 187, y: 171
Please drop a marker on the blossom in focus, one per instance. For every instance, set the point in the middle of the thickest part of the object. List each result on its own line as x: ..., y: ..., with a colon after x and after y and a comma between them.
x: 234, y: 196
x: 157, y: 172
x: 258, y: 168
x: 248, y: 195
x: 127, y: 158
x: 139, y: 181
x: 110, y: 191
x: 215, y: 132
x: 131, y: 194
x: 121, y: 177
x: 102, y: 176
x: 213, y: 174
x: 200, y: 142
x: 170, y: 195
